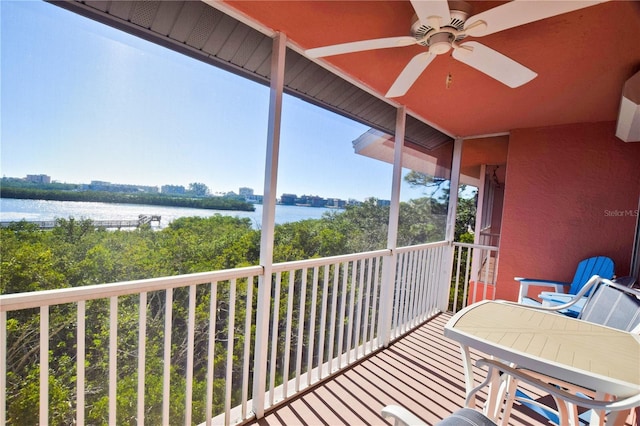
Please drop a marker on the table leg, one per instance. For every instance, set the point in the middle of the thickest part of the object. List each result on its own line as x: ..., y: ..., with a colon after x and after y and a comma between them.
x: 468, y: 368
x: 496, y: 391
x: 495, y: 396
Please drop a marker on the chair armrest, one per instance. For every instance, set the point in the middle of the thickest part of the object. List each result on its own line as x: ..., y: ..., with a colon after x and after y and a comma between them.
x: 401, y: 416
x: 593, y: 282
x: 526, y: 282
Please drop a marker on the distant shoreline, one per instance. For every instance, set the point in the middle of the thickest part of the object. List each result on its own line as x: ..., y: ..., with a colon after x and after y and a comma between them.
x: 210, y: 203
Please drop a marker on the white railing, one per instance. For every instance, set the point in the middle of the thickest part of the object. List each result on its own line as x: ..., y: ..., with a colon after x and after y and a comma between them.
x: 108, y: 365
x: 419, y: 290
x: 474, y: 273
x: 181, y: 349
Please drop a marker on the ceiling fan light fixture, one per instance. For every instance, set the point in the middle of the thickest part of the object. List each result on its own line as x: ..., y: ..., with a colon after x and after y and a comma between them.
x: 440, y: 43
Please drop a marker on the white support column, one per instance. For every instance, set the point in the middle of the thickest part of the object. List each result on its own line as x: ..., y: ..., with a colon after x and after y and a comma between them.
x: 443, y: 299
x: 453, y: 189
x: 389, y: 262
x: 268, y: 223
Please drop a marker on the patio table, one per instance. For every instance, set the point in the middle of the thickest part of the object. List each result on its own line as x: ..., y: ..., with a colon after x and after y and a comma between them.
x: 603, y: 359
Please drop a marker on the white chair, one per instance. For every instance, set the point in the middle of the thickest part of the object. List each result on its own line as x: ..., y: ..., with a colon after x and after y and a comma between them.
x: 609, y: 303
x: 565, y: 401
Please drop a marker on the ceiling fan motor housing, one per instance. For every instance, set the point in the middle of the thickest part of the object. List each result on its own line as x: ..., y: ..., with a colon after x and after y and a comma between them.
x: 459, y: 11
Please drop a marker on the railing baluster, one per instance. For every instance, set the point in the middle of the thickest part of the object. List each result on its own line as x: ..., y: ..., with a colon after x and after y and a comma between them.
x: 287, y: 339
x: 396, y: 292
x: 3, y: 368
x: 433, y: 280
x: 312, y: 325
x: 301, y: 312
x: 113, y: 358
x: 334, y: 306
x: 247, y: 346
x: 80, y: 357
x: 467, y: 278
x: 354, y: 271
x: 425, y: 284
x: 407, y: 292
x: 274, y: 337
x: 44, y: 365
x: 486, y: 274
x: 230, y: 337
x: 191, y: 329
x: 361, y: 273
x: 343, y: 300
x: 465, y: 285
x: 376, y: 305
x: 142, y: 340
x: 421, y: 283
x: 367, y: 306
x: 403, y: 290
x: 213, y: 313
x: 455, y: 293
x: 166, y: 368
x: 323, y: 320
x: 412, y: 292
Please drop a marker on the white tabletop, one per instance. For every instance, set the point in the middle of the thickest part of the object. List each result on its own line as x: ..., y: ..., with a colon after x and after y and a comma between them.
x: 589, y: 355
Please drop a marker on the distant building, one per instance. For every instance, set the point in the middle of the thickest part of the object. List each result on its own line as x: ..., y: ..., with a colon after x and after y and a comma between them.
x: 38, y: 179
x: 173, y: 189
x: 99, y: 185
x: 381, y: 203
x: 245, y: 192
x: 288, y: 199
x: 336, y: 203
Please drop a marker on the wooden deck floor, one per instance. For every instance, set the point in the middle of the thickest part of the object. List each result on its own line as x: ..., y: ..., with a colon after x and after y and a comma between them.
x: 422, y: 371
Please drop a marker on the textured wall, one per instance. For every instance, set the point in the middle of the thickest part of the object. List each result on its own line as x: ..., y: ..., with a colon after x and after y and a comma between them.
x: 571, y: 192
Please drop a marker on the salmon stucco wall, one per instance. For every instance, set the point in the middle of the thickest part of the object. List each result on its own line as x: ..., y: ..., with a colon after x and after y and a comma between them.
x: 571, y: 192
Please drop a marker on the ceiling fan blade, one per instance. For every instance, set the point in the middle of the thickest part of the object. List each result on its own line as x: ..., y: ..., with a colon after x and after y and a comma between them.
x: 520, y: 12
x: 410, y: 74
x: 427, y: 10
x: 494, y: 64
x: 359, y: 46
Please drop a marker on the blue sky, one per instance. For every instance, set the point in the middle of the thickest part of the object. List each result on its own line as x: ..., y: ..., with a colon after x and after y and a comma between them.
x: 82, y: 102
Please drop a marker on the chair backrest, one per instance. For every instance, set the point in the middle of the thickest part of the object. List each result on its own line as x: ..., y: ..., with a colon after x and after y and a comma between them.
x: 598, y: 265
x: 613, y: 305
x: 627, y: 281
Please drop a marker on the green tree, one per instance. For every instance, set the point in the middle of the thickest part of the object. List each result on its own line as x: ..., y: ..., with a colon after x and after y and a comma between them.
x: 198, y: 189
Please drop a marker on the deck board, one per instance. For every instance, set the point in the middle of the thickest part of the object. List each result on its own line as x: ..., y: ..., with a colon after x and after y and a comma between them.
x: 422, y: 371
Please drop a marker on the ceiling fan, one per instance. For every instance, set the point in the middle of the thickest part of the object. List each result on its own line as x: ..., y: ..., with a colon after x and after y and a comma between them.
x: 441, y: 26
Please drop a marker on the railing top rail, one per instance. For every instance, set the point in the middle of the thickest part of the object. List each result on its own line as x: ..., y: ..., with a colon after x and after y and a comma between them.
x: 16, y: 301
x: 422, y: 246
x: 478, y: 246
x: 321, y: 261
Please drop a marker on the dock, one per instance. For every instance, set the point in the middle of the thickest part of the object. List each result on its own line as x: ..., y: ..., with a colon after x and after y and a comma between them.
x: 143, y: 219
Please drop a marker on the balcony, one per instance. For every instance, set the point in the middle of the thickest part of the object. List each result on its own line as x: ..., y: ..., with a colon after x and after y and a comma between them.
x: 185, y: 336
x: 213, y: 348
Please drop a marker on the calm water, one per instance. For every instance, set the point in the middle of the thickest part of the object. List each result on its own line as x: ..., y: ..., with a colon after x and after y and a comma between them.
x: 40, y: 210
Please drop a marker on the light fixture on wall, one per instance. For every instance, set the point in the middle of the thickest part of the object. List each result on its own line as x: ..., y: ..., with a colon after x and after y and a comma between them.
x: 628, y: 128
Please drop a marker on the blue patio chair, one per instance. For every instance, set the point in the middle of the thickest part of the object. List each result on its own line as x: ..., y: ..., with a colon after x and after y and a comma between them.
x: 599, y: 265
